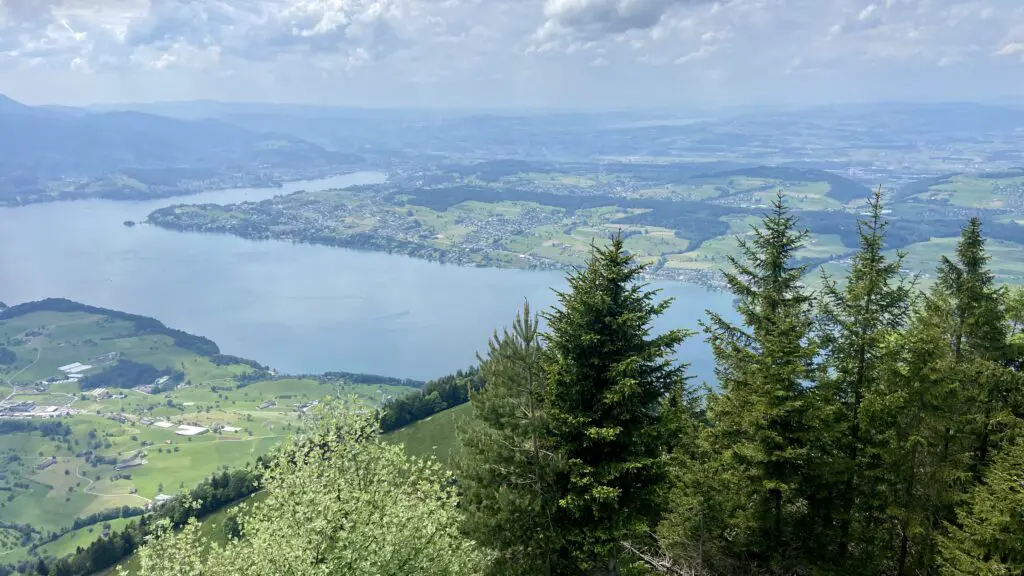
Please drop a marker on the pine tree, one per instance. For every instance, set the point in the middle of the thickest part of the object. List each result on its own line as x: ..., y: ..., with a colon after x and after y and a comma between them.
x: 978, y: 336
x: 608, y: 379
x: 857, y: 322
x: 976, y: 300
x: 761, y: 420
x: 949, y: 394
x: 988, y: 539
x: 507, y: 467
x: 911, y: 418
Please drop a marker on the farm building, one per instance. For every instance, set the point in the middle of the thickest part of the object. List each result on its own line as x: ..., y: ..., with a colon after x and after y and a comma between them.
x: 164, y: 425
x: 133, y: 462
x: 186, y: 430
x: 74, y: 368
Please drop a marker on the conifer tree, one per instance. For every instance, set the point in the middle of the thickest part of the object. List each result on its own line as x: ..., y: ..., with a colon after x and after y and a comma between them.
x: 979, y: 329
x: 608, y: 379
x: 857, y: 321
x: 978, y: 336
x: 761, y: 420
x: 948, y: 394
x: 507, y: 467
x: 911, y: 418
x: 988, y: 539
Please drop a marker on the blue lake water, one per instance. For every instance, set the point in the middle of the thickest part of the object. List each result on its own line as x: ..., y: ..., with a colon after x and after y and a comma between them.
x: 298, y: 308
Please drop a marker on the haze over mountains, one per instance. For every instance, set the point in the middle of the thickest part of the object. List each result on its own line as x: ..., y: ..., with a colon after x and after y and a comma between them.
x: 170, y: 148
x: 45, y: 151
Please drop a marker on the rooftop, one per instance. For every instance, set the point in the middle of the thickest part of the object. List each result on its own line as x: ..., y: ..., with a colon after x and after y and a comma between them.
x: 186, y: 430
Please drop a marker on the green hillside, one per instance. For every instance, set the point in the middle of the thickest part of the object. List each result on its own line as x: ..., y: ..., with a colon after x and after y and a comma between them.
x: 75, y: 448
x: 434, y: 436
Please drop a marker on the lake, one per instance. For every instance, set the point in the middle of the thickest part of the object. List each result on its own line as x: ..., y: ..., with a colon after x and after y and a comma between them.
x: 297, y: 308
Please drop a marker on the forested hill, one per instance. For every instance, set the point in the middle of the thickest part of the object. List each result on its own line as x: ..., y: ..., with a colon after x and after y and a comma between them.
x: 871, y: 427
x: 143, y: 324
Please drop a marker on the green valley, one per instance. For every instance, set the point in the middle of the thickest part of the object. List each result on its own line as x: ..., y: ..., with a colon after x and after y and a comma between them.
x: 103, y: 410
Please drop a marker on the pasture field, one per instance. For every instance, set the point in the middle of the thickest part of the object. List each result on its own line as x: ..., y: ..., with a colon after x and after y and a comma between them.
x: 107, y: 451
x: 434, y: 436
x: 975, y: 191
x: 1007, y: 261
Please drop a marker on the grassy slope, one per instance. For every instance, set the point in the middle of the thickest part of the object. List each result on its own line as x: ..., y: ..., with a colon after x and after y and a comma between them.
x: 74, y: 487
x: 434, y: 436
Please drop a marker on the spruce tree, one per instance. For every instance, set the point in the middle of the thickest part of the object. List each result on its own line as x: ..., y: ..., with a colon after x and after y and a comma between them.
x: 760, y: 421
x: 857, y: 321
x: 978, y: 329
x: 911, y: 417
x: 978, y: 336
x: 949, y: 393
x: 608, y: 379
x: 507, y: 467
x: 988, y: 538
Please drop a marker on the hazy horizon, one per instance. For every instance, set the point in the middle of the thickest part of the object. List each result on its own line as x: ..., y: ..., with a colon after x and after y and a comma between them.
x: 578, y: 54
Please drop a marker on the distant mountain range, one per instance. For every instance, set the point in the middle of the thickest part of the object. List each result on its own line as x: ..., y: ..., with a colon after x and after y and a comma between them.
x: 144, y: 150
x: 48, y: 152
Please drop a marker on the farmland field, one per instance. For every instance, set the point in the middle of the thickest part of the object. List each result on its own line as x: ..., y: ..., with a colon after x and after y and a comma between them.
x: 683, y: 224
x: 101, y: 449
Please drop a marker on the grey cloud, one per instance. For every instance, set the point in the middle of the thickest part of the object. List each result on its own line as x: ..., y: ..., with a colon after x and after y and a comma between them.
x: 18, y: 12
x: 169, y: 21
x: 596, y: 18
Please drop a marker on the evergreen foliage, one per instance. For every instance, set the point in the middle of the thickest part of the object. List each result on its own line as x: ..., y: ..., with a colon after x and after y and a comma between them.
x: 607, y: 381
x: 507, y: 473
x: 987, y: 538
x: 866, y: 429
x: 437, y: 395
x: 856, y: 323
x: 762, y: 424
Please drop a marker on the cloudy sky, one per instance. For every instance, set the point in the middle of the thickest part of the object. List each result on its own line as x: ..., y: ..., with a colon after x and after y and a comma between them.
x: 499, y: 53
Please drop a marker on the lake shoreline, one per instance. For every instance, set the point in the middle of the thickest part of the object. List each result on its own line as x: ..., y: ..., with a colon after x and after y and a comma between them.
x: 271, y: 183
x: 712, y: 281
x: 302, y: 309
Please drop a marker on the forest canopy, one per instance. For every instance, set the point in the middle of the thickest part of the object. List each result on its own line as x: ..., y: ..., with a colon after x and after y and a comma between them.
x: 870, y: 427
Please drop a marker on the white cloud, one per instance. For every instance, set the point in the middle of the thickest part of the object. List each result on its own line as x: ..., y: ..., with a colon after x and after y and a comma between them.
x: 1010, y: 49
x: 510, y: 51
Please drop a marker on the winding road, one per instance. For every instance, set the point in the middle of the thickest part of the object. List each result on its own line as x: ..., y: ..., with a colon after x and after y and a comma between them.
x: 10, y: 380
x: 88, y: 487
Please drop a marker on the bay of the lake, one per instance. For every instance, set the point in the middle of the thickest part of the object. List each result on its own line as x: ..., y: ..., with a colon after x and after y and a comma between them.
x: 298, y: 308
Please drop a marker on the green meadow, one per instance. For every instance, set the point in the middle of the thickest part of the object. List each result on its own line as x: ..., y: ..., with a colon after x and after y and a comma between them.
x: 244, y: 419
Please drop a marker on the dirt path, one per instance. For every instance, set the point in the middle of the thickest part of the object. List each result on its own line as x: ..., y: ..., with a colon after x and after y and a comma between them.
x: 88, y: 487
x: 10, y: 379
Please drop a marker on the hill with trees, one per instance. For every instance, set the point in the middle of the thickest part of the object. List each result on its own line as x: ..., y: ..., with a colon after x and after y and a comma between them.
x: 868, y: 427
